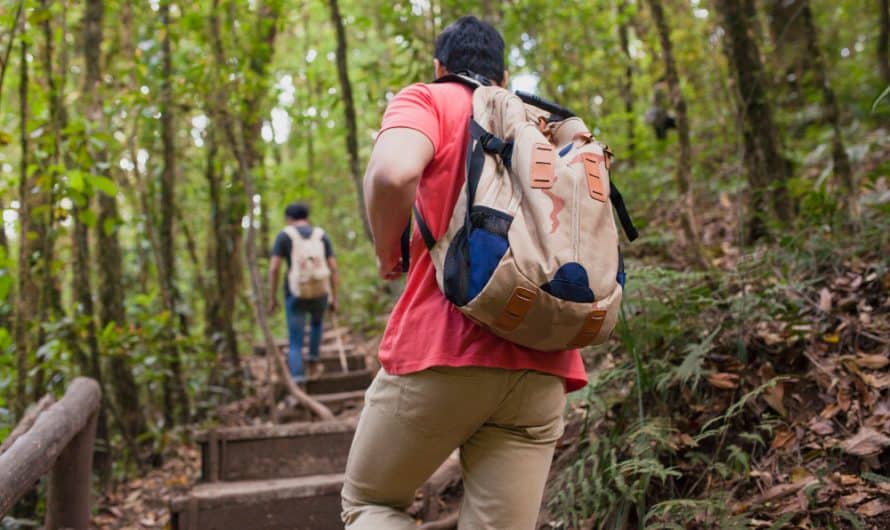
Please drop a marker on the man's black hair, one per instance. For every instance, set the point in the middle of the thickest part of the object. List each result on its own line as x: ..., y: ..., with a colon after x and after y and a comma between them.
x: 472, y: 45
x: 297, y: 211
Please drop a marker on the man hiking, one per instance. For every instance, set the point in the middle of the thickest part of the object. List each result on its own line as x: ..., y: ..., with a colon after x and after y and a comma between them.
x: 311, y: 285
x: 447, y: 382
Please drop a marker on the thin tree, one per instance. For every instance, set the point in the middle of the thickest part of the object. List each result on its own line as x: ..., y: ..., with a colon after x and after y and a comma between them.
x: 684, y: 160
x: 131, y: 415
x: 223, y: 259
x: 349, y: 112
x: 175, y: 397
x: 884, y: 41
x: 628, y: 82
x: 768, y: 170
x: 842, y: 171
x: 26, y: 289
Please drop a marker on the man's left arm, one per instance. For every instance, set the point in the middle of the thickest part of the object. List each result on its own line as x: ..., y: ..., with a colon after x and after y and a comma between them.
x: 335, y: 282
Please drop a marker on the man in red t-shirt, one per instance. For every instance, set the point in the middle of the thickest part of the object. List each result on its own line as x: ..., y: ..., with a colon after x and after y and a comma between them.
x: 446, y: 382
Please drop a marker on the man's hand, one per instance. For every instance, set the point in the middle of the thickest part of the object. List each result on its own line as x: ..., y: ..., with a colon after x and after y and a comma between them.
x: 333, y: 305
x: 392, y: 270
x: 273, y: 305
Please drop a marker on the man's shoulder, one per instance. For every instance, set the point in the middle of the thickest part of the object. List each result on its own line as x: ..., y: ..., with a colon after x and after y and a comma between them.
x: 438, y: 94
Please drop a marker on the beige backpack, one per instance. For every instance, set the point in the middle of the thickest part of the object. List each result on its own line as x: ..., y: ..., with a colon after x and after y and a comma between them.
x: 531, y: 251
x: 309, y: 275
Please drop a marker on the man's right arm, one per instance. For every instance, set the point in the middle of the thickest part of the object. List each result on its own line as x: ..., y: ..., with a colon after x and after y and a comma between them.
x: 390, y: 184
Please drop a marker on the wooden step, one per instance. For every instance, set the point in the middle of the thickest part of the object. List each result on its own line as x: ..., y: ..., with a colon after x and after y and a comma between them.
x: 274, y: 451
x: 331, y: 350
x: 340, y: 382
x: 332, y: 364
x: 304, y: 503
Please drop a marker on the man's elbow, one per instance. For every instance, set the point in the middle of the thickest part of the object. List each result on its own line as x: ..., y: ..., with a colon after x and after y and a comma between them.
x: 392, y: 178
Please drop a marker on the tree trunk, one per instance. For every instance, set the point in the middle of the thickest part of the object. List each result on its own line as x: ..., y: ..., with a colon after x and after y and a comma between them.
x: 222, y: 254
x: 27, y: 310
x: 842, y: 171
x: 349, y: 112
x: 110, y: 266
x: 628, y: 84
x: 884, y: 42
x: 81, y: 288
x: 176, y: 403
x: 768, y: 170
x: 684, y: 161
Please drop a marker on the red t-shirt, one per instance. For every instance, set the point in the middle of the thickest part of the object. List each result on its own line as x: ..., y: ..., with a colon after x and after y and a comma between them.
x: 425, y: 329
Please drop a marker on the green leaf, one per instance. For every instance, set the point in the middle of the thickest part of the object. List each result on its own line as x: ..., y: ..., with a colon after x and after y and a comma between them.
x: 108, y: 226
x: 76, y: 181
x: 87, y: 217
x: 104, y: 184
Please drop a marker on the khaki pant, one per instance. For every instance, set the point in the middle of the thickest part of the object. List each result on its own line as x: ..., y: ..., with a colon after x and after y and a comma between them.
x: 506, y: 424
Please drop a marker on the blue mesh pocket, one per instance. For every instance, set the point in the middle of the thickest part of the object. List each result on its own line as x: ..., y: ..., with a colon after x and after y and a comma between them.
x: 486, y: 251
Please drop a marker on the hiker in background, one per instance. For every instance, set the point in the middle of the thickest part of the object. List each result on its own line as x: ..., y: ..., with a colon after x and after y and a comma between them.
x: 310, y: 288
x: 447, y: 382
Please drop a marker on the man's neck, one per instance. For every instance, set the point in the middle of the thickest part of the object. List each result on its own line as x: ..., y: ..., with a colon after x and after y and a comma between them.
x: 301, y: 222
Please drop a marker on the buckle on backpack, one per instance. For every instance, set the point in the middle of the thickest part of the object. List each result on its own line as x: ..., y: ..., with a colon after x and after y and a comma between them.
x: 543, y: 170
x: 590, y: 329
x: 594, y: 176
x: 517, y: 307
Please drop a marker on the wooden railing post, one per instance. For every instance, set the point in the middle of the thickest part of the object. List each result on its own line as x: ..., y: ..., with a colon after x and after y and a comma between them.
x: 68, y: 493
x: 61, y: 442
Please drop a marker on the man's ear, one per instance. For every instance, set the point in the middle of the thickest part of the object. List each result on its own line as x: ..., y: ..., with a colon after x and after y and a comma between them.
x: 506, y: 80
x: 439, y: 69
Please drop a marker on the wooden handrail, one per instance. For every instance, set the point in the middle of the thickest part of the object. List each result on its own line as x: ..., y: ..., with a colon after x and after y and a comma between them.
x: 59, y: 443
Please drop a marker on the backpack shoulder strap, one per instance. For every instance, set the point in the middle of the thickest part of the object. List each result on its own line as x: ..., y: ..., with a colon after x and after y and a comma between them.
x: 292, y: 233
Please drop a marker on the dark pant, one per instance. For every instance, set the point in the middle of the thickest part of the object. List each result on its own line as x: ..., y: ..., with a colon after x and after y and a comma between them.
x: 296, y: 310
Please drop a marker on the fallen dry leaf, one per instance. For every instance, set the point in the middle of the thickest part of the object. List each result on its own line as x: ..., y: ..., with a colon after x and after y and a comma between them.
x: 854, y: 498
x: 782, y: 439
x: 878, y: 381
x: 825, y: 300
x: 872, y: 361
x: 867, y: 442
x: 724, y: 380
x: 821, y: 426
x: 774, y: 397
x: 831, y: 338
x: 873, y: 508
x: 850, y: 480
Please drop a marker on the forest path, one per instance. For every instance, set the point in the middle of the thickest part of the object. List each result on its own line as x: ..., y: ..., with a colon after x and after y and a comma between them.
x: 286, y: 475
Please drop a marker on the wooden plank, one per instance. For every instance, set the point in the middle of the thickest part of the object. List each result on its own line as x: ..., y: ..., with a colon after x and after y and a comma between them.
x: 68, y: 493
x: 35, y: 452
x: 305, y: 503
x: 333, y: 383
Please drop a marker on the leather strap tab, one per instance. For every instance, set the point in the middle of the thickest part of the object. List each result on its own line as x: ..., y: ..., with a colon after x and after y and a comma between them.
x: 594, y: 176
x: 591, y: 328
x: 517, y: 307
x: 543, y: 170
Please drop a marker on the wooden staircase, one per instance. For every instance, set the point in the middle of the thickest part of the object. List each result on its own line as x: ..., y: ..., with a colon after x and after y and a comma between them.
x: 277, y: 477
